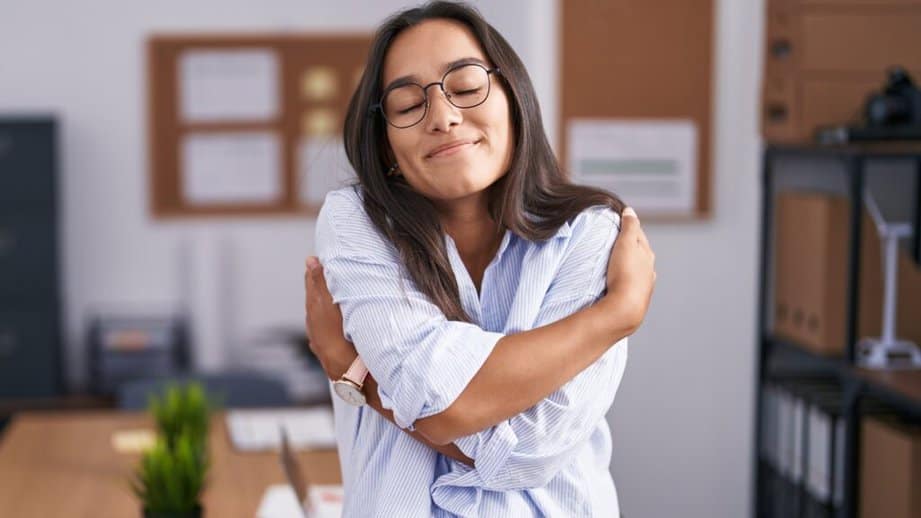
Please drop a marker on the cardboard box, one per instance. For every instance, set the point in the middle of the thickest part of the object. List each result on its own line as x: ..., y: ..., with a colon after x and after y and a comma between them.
x: 811, y: 244
x: 890, y: 469
x: 823, y: 58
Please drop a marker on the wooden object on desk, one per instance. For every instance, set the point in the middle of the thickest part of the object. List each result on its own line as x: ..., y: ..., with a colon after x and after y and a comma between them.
x: 316, y: 75
x: 645, y: 61
x: 63, y: 464
x: 75, y: 402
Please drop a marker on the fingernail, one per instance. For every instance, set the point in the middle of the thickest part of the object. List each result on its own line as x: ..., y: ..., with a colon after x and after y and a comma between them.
x: 312, y: 263
x: 630, y: 212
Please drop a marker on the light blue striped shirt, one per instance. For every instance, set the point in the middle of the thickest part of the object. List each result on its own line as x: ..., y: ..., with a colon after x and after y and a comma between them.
x: 551, y: 460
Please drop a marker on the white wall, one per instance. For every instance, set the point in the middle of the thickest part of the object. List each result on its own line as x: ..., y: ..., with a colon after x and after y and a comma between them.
x: 682, y: 421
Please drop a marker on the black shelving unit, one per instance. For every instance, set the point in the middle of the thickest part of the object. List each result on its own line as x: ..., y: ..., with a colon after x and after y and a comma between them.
x: 31, y: 366
x: 779, y: 359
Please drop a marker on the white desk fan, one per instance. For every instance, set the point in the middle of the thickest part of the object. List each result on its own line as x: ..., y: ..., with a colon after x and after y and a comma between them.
x: 888, y: 351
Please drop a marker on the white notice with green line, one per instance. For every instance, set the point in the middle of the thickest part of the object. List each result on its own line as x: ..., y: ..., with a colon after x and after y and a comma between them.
x: 650, y: 163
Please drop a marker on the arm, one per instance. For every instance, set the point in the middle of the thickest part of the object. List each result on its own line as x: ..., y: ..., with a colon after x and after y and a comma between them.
x: 402, y: 336
x: 530, y: 449
x: 449, y: 450
x: 324, y: 325
x: 527, y: 367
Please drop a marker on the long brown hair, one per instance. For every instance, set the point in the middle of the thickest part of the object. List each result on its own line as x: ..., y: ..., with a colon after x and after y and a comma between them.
x: 533, y: 199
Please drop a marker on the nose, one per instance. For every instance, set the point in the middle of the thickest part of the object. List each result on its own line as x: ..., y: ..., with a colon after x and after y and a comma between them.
x: 441, y: 115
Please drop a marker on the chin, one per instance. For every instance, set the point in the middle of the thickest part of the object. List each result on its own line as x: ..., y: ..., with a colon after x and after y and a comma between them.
x: 461, y: 187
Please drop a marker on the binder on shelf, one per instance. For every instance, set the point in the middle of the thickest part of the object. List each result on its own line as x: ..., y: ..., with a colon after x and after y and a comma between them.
x: 803, y: 446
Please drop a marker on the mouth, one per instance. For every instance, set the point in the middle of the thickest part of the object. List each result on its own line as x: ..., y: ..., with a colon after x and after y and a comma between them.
x: 452, y: 148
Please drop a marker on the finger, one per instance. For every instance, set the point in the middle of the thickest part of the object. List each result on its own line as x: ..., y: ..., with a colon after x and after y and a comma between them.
x: 318, y: 281
x: 308, y: 265
x: 310, y: 275
x: 629, y: 223
x: 308, y: 285
x: 307, y: 291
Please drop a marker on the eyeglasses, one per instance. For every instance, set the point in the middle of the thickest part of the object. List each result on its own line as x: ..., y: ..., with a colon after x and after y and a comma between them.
x: 464, y: 86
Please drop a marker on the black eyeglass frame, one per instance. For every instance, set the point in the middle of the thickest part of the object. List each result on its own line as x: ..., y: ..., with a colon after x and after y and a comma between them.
x: 379, y: 106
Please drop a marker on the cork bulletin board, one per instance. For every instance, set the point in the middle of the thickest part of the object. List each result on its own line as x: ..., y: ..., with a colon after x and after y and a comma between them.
x: 636, y: 101
x: 248, y: 124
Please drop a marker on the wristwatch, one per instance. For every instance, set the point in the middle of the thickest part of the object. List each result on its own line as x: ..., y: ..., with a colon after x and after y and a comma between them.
x: 348, y: 387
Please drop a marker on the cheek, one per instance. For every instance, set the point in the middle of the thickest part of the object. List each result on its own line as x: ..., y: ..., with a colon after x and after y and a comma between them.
x: 502, y: 135
x: 399, y: 143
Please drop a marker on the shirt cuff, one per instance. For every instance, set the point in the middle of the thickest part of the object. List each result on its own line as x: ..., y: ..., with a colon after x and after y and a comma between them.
x: 490, y: 449
x: 429, y: 388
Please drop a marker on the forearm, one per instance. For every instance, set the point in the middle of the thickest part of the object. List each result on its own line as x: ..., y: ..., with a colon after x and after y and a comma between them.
x: 522, y: 370
x: 374, y: 401
x: 525, y: 368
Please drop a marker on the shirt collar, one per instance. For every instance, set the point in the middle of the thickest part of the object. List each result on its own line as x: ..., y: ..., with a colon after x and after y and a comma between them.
x: 565, y: 230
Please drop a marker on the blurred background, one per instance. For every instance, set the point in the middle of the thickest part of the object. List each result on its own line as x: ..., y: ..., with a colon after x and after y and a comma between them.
x: 118, y: 270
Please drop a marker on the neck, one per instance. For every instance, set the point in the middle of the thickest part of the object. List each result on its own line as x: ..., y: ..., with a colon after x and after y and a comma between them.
x: 468, y: 223
x: 474, y: 232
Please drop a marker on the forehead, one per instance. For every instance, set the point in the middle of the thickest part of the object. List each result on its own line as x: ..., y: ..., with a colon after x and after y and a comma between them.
x: 423, y: 50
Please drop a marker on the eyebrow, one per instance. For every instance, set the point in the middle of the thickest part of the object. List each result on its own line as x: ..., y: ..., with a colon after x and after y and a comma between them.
x: 414, y: 79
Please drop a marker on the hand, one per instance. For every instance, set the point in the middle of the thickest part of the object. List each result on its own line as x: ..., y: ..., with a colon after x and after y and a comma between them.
x: 631, y: 268
x: 324, y: 324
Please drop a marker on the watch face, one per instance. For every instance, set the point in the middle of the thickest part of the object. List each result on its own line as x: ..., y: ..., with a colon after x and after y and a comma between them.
x: 350, y: 393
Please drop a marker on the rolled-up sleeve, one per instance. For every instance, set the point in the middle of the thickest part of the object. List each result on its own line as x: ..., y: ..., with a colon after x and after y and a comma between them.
x: 421, y: 361
x: 528, y: 450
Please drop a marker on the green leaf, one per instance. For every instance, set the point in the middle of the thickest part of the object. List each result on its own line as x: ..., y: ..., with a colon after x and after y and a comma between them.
x: 171, y: 475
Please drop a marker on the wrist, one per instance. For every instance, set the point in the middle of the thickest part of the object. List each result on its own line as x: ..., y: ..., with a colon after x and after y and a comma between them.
x: 620, y: 316
x: 340, y: 362
x: 344, y: 361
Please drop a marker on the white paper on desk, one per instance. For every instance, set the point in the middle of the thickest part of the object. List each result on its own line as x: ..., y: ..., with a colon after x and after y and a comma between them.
x: 279, y: 501
x: 650, y: 163
x: 322, y: 167
x: 225, y: 85
x: 231, y: 167
x: 258, y: 430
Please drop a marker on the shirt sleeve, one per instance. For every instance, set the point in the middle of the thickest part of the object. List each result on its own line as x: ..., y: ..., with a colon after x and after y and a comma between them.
x: 528, y: 450
x: 399, y: 333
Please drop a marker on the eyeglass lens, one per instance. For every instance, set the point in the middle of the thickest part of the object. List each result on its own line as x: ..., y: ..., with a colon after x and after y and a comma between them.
x: 465, y: 87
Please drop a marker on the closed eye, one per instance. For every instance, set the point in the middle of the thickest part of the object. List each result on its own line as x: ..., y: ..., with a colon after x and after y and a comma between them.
x: 467, y: 92
x: 410, y: 109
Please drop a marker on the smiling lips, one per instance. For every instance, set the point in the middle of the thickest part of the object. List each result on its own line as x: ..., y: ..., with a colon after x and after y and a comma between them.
x: 451, y: 148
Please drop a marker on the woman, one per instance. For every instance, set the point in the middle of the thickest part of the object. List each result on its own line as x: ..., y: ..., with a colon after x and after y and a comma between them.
x: 477, y: 285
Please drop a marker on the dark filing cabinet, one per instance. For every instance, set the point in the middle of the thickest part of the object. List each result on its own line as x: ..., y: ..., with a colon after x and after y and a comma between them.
x: 30, y: 300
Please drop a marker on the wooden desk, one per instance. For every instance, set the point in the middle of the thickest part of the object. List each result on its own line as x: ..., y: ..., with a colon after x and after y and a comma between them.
x: 63, y: 464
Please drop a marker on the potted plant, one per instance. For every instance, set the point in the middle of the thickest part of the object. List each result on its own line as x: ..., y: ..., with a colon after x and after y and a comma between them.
x: 182, y: 408
x: 171, y: 475
x: 170, y: 478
